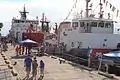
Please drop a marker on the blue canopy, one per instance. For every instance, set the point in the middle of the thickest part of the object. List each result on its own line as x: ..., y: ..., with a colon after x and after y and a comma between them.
x: 28, y: 41
x: 114, y: 55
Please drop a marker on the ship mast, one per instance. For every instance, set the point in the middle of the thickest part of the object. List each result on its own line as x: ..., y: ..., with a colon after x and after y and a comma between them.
x: 23, y: 13
x: 44, y: 23
x: 87, y: 10
x: 101, y: 12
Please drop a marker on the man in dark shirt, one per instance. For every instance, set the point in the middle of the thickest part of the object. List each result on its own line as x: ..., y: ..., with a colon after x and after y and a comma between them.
x: 27, y: 64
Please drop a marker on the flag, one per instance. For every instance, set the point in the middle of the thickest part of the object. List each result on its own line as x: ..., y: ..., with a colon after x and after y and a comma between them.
x: 117, y: 13
x: 106, y: 3
x: 110, y: 5
x: 113, y: 9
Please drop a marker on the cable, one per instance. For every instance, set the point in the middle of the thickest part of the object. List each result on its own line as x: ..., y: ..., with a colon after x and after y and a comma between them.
x: 74, y: 6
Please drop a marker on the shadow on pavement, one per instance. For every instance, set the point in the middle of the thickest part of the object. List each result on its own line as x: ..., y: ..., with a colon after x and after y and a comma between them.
x: 18, y: 57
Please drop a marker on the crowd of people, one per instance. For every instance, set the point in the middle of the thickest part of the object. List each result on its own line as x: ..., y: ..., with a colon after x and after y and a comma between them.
x: 49, y: 47
x: 22, y: 50
x: 3, y: 45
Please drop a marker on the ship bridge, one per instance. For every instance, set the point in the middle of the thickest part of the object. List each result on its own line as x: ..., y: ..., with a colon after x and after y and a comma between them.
x: 93, y: 25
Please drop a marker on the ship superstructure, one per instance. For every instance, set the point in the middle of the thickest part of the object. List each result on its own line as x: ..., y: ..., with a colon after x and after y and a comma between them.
x: 89, y: 32
x: 21, y: 25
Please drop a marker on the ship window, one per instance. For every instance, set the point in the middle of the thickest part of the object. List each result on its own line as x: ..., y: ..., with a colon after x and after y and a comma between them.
x: 82, y: 24
x: 101, y: 24
x: 37, y: 22
x: 87, y: 24
x: 22, y: 21
x: 69, y: 29
x: 18, y: 21
x: 32, y: 22
x: 14, y: 21
x: 93, y: 24
x: 107, y: 25
x: 72, y: 44
x: 74, y: 25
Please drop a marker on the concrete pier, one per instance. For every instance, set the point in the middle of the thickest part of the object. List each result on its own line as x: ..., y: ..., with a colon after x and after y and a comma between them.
x: 53, y: 69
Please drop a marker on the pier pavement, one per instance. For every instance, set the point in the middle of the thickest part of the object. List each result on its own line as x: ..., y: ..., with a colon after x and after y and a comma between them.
x: 54, y: 70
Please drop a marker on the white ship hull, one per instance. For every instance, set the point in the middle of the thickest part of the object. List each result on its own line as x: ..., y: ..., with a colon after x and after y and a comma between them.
x: 91, y: 40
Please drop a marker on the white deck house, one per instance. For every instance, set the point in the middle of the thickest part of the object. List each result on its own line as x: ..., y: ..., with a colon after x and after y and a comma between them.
x: 88, y: 32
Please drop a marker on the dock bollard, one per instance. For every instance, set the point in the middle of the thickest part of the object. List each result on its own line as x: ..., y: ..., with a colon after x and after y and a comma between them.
x: 7, y: 62
x: 5, y: 58
x: 10, y: 66
x: 14, y: 73
x: 1, y: 53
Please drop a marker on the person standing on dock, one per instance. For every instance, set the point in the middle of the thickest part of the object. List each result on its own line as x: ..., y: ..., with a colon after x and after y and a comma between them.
x: 23, y: 47
x: 17, y: 50
x: 34, y: 68
x: 27, y: 64
x: 1, y: 47
x: 42, y: 66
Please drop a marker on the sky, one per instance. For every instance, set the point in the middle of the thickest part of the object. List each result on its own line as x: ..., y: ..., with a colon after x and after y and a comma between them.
x: 55, y: 10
